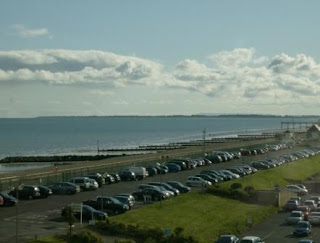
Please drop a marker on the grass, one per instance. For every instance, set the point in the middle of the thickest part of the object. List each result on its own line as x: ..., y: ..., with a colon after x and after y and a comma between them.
x: 201, y: 215
x: 298, y: 170
x: 205, y: 217
x: 48, y: 239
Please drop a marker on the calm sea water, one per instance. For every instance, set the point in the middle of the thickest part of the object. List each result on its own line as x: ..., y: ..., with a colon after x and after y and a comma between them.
x: 78, y: 135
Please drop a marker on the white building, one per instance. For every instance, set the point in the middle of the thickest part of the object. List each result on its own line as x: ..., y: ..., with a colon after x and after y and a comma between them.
x: 313, y: 132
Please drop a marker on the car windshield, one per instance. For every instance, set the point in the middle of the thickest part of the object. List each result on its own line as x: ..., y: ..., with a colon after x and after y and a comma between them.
x: 295, y: 215
x: 302, y: 225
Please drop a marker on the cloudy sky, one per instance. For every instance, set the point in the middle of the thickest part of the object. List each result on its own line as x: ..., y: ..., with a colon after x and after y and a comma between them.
x: 159, y: 57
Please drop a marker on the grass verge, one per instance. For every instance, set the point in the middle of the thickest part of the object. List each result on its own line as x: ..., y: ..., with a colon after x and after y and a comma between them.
x: 201, y: 215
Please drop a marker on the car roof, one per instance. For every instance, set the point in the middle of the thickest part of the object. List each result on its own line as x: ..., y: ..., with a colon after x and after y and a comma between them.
x: 250, y: 238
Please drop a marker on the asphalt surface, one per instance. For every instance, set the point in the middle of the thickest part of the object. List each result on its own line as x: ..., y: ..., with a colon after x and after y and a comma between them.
x: 41, y: 217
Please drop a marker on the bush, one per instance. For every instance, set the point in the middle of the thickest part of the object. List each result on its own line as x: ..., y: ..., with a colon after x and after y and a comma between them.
x: 85, y: 237
x: 236, y: 186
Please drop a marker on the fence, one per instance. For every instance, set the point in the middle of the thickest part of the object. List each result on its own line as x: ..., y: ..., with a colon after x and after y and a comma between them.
x: 60, y: 174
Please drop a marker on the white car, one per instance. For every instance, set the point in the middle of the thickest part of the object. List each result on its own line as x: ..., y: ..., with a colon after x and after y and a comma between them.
x: 310, y: 203
x: 314, y: 218
x: 251, y: 239
x: 197, y: 181
x: 297, y: 189
x: 295, y: 217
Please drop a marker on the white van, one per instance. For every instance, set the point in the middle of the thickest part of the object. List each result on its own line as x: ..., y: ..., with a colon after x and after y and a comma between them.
x: 140, y: 172
x: 82, y: 182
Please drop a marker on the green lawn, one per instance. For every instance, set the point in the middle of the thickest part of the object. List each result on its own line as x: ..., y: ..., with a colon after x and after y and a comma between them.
x: 205, y: 216
x: 298, y: 170
x: 201, y: 215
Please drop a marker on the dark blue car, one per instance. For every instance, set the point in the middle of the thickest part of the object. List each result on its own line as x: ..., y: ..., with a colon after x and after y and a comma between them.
x: 173, y: 167
x: 303, y: 228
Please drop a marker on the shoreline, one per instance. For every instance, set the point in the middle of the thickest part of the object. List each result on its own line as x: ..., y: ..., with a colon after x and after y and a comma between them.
x: 118, y: 162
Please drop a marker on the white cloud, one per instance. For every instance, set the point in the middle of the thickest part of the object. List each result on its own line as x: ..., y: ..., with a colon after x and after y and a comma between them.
x: 239, y: 76
x: 24, y: 32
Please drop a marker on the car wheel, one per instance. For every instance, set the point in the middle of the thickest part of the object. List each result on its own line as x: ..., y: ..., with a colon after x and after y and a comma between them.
x: 30, y: 197
x: 116, y: 212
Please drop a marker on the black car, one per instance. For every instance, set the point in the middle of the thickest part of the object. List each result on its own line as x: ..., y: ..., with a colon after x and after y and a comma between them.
x: 127, y: 176
x: 98, y: 177
x: 178, y: 185
x: 108, y: 178
x: 108, y: 204
x: 116, y: 177
x: 8, y: 200
x: 154, y: 194
x: 166, y: 186
x: 125, y: 200
x: 25, y: 192
x: 64, y: 188
x: 152, y: 170
x: 88, y: 213
x: 44, y: 191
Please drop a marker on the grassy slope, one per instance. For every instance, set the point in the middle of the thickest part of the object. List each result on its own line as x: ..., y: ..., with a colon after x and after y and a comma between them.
x: 201, y: 215
x: 298, y: 170
x: 206, y: 217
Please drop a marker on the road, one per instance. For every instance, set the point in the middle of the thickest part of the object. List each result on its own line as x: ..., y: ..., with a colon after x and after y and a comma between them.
x: 42, y: 216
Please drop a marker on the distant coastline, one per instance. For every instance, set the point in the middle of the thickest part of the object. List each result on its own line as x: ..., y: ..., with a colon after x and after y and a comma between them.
x: 191, y: 116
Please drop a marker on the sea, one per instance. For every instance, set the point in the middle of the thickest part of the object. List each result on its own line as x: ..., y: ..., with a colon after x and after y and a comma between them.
x: 83, y: 135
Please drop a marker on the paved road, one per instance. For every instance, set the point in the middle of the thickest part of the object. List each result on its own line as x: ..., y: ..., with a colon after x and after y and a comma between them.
x: 276, y: 230
x: 42, y: 216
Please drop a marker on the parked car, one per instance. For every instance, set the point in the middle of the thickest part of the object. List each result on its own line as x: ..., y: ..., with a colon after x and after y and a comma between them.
x: 291, y: 205
x: 25, y: 192
x: 113, y: 204
x: 98, y: 178
x: 251, y: 239
x: 197, y: 182
x: 140, y: 172
x: 44, y: 191
x: 127, y: 176
x: 297, y: 189
x: 295, y: 217
x: 126, y: 200
x: 93, y: 184
x: 64, y: 188
x: 166, y: 186
x: 306, y: 241
x: 303, y: 228
x: 152, y: 170
x: 316, y: 199
x: 7, y: 200
x: 127, y: 195
x: 314, y: 218
x: 88, y: 213
x: 173, y: 167
x: 207, y: 177
x: 155, y: 194
x: 109, y: 179
x: 305, y: 210
x: 116, y: 177
x: 178, y: 185
x: 310, y: 203
x: 228, y: 239
x: 82, y: 182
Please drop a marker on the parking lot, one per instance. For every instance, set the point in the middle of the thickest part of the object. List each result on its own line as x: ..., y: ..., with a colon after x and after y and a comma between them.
x: 42, y: 216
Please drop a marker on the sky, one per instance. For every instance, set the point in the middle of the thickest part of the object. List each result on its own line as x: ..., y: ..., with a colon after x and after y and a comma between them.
x: 101, y: 58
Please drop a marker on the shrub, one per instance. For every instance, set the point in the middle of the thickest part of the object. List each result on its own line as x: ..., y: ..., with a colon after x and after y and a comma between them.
x: 236, y: 186
x: 85, y: 237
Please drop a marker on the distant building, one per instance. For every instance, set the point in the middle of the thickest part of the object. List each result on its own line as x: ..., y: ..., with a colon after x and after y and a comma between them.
x: 313, y: 132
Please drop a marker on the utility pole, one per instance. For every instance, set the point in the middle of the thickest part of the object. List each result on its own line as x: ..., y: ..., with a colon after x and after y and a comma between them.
x: 98, y: 146
x: 204, y: 133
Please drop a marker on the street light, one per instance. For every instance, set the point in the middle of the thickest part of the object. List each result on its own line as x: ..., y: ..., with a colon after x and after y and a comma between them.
x: 17, y: 195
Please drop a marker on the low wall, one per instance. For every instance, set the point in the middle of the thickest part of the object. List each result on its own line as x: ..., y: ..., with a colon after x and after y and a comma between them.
x: 274, y: 198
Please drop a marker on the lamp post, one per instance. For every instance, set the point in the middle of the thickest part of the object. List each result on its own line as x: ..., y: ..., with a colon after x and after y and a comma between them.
x: 17, y: 195
x: 98, y: 146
